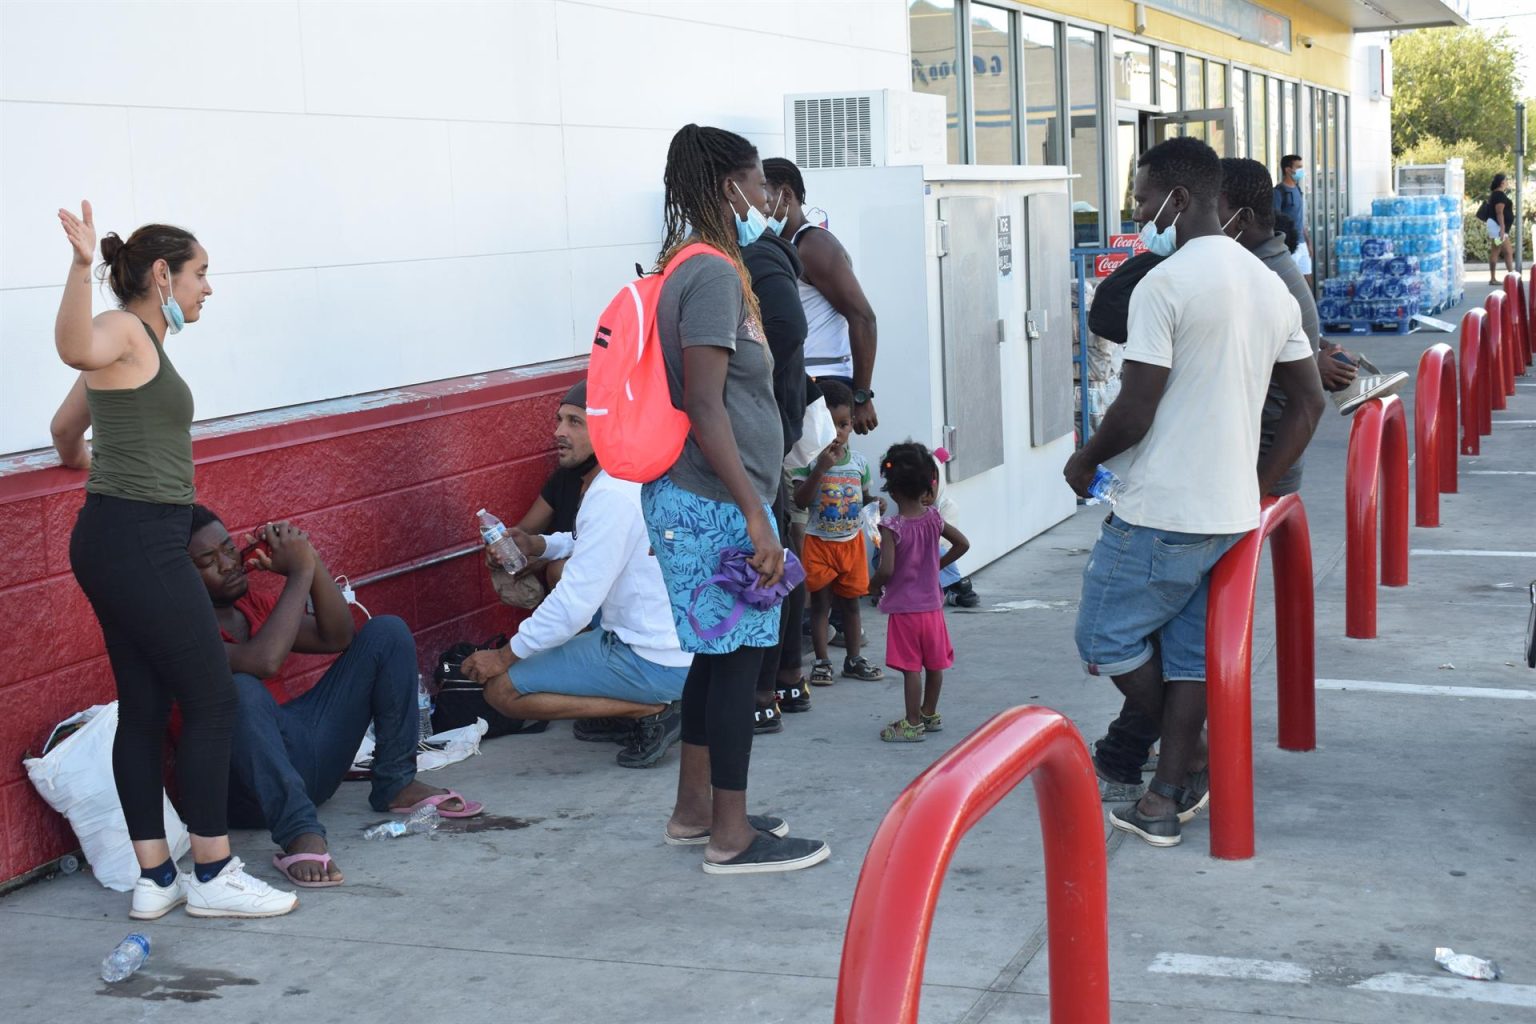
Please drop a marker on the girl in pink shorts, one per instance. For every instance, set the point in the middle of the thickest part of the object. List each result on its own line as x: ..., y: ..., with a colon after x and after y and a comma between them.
x: 916, y: 637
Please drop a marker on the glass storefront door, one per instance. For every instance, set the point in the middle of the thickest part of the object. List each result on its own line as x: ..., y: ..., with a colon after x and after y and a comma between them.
x: 1213, y: 124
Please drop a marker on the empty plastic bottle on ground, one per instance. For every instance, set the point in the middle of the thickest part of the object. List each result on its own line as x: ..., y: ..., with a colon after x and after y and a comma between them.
x: 128, y: 957
x: 423, y: 709
x: 499, y: 540
x: 424, y: 820
x: 1105, y: 488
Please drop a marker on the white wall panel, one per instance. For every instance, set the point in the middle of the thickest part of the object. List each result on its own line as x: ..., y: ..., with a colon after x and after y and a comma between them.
x: 867, y: 24
x: 461, y: 61
x: 391, y: 191
x: 509, y: 188
x: 596, y: 277
x: 210, y: 56
x: 32, y: 379
x: 56, y: 156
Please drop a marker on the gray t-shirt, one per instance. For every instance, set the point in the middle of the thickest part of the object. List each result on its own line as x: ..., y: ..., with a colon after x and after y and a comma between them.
x: 1276, y: 257
x: 702, y: 304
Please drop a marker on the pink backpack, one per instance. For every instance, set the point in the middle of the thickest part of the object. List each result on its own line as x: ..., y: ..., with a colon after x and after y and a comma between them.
x: 636, y: 431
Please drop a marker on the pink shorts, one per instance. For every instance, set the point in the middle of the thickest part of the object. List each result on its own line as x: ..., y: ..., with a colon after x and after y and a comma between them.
x: 915, y: 641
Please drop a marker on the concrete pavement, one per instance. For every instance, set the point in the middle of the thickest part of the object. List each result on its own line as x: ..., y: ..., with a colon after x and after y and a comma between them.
x: 1410, y: 827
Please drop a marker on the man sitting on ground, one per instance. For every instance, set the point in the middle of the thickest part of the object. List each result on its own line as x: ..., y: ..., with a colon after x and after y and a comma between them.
x: 289, y: 756
x: 624, y: 676
x: 554, y: 510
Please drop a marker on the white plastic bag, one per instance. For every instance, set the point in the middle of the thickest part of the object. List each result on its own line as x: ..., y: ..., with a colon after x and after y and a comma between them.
x: 818, y: 431
x: 75, y: 778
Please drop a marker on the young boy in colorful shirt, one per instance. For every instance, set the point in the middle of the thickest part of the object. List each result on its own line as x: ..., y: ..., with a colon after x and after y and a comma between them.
x: 835, y: 490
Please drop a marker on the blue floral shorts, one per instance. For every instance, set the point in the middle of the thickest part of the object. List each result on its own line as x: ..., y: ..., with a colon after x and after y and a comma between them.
x: 688, y: 532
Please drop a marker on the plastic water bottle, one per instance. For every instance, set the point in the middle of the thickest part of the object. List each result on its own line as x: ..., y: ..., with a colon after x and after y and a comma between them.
x: 1105, y: 488
x: 128, y: 957
x: 503, y: 548
x: 423, y: 709
x: 426, y: 819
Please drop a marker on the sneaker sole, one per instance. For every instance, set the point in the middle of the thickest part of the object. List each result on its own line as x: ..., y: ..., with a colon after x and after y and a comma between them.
x: 776, y: 867
x: 1146, y: 837
x: 201, y: 912
x: 781, y: 830
x: 1185, y: 817
x: 140, y: 915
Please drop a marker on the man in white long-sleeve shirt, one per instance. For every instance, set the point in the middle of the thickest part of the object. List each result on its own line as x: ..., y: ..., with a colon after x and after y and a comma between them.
x: 630, y: 667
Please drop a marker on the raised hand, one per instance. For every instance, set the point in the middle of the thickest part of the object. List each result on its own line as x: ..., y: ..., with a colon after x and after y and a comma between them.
x: 82, y: 233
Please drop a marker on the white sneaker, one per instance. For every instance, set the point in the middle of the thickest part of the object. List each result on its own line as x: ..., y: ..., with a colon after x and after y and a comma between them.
x: 152, y: 902
x: 233, y: 893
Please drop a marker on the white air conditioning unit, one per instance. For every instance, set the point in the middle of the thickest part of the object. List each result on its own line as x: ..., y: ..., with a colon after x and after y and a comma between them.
x: 882, y: 128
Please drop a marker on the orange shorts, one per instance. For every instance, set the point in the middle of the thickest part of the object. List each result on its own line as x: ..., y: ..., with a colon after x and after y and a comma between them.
x: 841, y: 565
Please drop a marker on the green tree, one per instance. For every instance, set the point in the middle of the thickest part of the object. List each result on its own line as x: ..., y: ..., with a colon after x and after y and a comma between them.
x: 1454, y: 84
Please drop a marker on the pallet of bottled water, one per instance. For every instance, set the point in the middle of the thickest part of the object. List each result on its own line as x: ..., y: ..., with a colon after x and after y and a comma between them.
x: 1401, y: 261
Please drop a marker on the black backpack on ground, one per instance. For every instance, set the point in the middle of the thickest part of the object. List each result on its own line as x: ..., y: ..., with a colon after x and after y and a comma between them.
x: 460, y: 700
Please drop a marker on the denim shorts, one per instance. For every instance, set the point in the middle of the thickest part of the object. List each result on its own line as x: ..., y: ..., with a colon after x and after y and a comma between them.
x: 598, y: 664
x: 1141, y: 585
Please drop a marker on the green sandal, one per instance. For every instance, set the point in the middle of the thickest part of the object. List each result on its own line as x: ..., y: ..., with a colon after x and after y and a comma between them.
x: 933, y: 723
x: 902, y: 731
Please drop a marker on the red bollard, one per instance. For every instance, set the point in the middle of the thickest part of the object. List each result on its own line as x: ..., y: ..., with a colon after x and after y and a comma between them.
x: 1434, y: 433
x: 880, y: 981
x: 1494, y: 325
x: 1229, y: 665
x: 1488, y: 361
x: 1473, y: 391
x: 1377, y: 464
x: 1514, y: 301
x: 1525, y: 318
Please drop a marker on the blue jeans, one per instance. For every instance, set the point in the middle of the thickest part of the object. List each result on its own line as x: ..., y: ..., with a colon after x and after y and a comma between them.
x: 288, y: 759
x: 1143, y: 584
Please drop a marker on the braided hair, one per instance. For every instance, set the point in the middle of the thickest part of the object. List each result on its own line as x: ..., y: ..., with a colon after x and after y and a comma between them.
x: 910, y: 471
x: 698, y: 160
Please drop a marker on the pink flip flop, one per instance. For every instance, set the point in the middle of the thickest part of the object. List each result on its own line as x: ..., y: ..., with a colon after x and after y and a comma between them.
x: 471, y: 808
x: 283, y: 863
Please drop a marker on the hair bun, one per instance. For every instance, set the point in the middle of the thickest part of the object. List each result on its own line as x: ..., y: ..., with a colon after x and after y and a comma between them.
x: 111, y: 246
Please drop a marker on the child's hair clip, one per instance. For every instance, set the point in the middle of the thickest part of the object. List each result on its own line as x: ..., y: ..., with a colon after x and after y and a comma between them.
x: 941, y: 454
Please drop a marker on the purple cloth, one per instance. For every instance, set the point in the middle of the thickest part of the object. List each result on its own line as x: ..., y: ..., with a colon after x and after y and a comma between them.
x: 737, y: 577
x: 914, y: 586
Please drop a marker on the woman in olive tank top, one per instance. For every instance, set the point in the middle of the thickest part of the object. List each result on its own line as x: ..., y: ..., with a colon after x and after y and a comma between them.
x: 129, y: 554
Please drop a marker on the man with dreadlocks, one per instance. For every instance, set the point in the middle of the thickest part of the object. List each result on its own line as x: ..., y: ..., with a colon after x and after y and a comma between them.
x: 718, y: 495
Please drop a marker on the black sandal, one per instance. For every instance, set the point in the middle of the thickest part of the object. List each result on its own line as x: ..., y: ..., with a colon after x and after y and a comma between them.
x: 795, y: 699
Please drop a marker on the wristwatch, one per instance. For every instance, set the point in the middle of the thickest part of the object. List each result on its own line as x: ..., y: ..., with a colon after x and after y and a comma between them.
x: 861, y: 396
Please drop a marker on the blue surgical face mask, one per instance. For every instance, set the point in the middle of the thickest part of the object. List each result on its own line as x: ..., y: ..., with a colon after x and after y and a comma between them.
x: 776, y: 224
x: 1161, y: 243
x: 751, y: 227
x: 1298, y: 174
x: 175, y: 320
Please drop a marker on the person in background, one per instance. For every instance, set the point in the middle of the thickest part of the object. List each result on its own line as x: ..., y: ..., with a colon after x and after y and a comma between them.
x: 775, y: 268
x: 1291, y: 201
x: 917, y: 638
x: 1209, y: 329
x: 840, y: 337
x: 835, y: 490
x: 1499, y: 217
x: 719, y: 494
x: 290, y: 755
x: 129, y: 554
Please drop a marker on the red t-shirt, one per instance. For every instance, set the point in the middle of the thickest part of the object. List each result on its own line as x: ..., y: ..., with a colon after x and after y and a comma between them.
x: 257, y: 608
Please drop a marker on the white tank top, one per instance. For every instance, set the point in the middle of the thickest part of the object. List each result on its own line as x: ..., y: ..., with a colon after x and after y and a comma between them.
x: 828, y: 352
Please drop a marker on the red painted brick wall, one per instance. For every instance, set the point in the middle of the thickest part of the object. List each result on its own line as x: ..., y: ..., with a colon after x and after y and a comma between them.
x: 376, y: 482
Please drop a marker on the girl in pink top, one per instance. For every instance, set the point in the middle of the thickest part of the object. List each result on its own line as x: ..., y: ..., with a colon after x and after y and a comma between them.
x: 916, y: 637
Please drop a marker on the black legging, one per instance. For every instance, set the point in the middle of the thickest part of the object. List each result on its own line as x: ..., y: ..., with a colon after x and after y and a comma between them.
x: 718, y: 700
x: 130, y: 558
